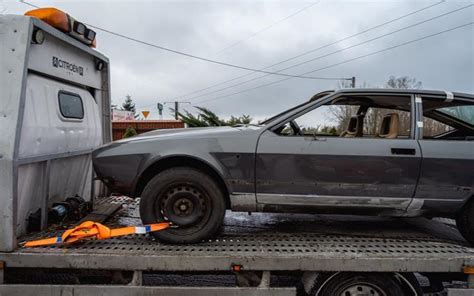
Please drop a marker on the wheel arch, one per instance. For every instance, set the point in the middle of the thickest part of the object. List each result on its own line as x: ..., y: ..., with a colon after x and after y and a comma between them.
x: 165, y: 163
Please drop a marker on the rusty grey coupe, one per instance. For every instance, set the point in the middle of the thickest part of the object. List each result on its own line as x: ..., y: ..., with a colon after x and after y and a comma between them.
x: 399, y: 153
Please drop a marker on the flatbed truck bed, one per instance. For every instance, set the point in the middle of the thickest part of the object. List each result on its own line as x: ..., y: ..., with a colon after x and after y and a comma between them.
x: 258, y: 242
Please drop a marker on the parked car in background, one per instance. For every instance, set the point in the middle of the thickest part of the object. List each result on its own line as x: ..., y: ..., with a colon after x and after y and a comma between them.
x: 400, y: 153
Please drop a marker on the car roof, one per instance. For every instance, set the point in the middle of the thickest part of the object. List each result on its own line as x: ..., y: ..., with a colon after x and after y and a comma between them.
x: 403, y: 91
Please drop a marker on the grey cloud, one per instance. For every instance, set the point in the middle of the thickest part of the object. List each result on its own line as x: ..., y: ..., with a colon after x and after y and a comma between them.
x: 205, y: 27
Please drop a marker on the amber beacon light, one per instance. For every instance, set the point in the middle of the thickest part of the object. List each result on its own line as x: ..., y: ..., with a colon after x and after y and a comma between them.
x: 65, y: 23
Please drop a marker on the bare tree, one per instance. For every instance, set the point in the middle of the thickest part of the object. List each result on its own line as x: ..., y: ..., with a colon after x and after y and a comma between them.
x: 403, y: 82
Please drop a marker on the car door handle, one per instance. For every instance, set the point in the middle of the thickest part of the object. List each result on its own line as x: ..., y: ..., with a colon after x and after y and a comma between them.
x: 403, y: 151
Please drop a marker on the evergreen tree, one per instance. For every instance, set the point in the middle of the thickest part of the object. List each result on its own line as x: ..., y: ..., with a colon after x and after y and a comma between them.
x: 129, y: 132
x: 128, y: 105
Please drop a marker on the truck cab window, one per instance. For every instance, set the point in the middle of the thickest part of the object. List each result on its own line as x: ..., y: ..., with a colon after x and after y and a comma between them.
x: 70, y: 105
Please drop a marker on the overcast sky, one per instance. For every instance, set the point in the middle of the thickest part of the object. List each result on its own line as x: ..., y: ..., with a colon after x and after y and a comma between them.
x: 256, y: 34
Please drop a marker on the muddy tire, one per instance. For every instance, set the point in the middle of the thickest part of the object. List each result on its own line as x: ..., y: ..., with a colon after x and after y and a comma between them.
x: 465, y: 222
x: 189, y: 199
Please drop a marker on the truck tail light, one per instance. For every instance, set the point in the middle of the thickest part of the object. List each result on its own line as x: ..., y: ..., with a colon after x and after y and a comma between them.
x: 79, y: 28
x: 89, y: 34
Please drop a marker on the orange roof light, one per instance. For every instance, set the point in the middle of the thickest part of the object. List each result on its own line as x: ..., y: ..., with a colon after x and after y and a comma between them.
x: 53, y: 17
x: 65, y: 23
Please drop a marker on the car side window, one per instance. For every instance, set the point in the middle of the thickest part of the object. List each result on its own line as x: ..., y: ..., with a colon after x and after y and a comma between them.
x: 355, y: 117
x: 70, y: 105
x: 374, y: 117
x: 327, y: 120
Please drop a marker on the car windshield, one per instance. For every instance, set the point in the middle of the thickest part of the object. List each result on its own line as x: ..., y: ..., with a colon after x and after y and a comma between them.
x: 266, y: 121
x: 462, y: 113
x: 315, y: 97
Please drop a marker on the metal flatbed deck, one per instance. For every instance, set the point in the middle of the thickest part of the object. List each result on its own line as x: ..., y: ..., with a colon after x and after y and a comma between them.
x: 267, y: 242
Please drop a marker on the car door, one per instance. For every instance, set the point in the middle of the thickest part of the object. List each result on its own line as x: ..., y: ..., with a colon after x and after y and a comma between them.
x: 447, y: 141
x: 329, y: 170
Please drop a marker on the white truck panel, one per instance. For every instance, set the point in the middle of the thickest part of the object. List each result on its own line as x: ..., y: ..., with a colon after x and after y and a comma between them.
x: 46, y: 131
x: 68, y: 177
x: 13, y: 51
x: 57, y: 58
x: 45, y: 156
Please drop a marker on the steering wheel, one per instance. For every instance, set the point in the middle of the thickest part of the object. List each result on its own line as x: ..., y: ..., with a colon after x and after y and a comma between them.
x: 296, y: 129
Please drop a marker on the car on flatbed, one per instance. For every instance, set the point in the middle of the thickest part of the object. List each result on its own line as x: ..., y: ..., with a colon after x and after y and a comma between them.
x: 366, y: 151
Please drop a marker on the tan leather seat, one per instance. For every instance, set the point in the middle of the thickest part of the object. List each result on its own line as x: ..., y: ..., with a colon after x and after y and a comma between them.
x: 389, y: 126
x: 354, y: 128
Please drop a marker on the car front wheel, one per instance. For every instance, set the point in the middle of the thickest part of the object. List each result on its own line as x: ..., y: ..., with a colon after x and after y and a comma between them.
x: 189, y: 199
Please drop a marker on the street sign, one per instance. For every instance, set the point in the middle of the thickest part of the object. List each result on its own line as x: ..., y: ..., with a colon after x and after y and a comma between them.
x: 160, y: 108
x: 145, y: 113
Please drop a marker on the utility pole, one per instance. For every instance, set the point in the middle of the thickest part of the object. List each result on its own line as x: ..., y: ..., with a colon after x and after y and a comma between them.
x: 176, y: 107
x: 353, y: 82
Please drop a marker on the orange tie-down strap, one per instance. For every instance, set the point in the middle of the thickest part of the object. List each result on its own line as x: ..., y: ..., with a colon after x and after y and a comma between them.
x: 94, y: 230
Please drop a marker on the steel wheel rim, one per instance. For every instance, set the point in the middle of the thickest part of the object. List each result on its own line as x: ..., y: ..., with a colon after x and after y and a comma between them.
x: 186, y: 205
x: 362, y: 289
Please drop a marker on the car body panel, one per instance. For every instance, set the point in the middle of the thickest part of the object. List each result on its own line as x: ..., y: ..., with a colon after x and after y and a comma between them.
x: 229, y: 150
x: 266, y: 172
x: 313, y: 171
x: 447, y: 175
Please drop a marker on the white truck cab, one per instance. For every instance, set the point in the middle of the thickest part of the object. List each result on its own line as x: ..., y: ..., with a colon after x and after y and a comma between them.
x: 54, y: 110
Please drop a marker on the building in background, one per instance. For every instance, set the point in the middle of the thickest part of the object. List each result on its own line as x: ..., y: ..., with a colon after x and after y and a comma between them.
x: 122, y: 115
x: 142, y: 126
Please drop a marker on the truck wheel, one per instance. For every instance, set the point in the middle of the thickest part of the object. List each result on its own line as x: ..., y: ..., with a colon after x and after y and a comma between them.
x: 349, y: 284
x: 187, y: 198
x: 465, y: 222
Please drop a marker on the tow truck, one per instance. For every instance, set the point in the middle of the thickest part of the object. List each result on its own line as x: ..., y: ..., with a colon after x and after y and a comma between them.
x: 55, y: 109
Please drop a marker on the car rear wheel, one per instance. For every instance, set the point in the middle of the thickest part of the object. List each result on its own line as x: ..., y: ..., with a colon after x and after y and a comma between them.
x: 465, y: 222
x: 189, y: 199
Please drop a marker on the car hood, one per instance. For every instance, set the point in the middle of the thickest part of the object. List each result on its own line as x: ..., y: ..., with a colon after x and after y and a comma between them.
x: 190, y: 132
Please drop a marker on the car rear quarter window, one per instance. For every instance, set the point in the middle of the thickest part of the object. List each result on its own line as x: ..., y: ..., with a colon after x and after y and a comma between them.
x: 464, y: 113
x: 70, y: 105
x: 432, y: 128
x: 448, y: 120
